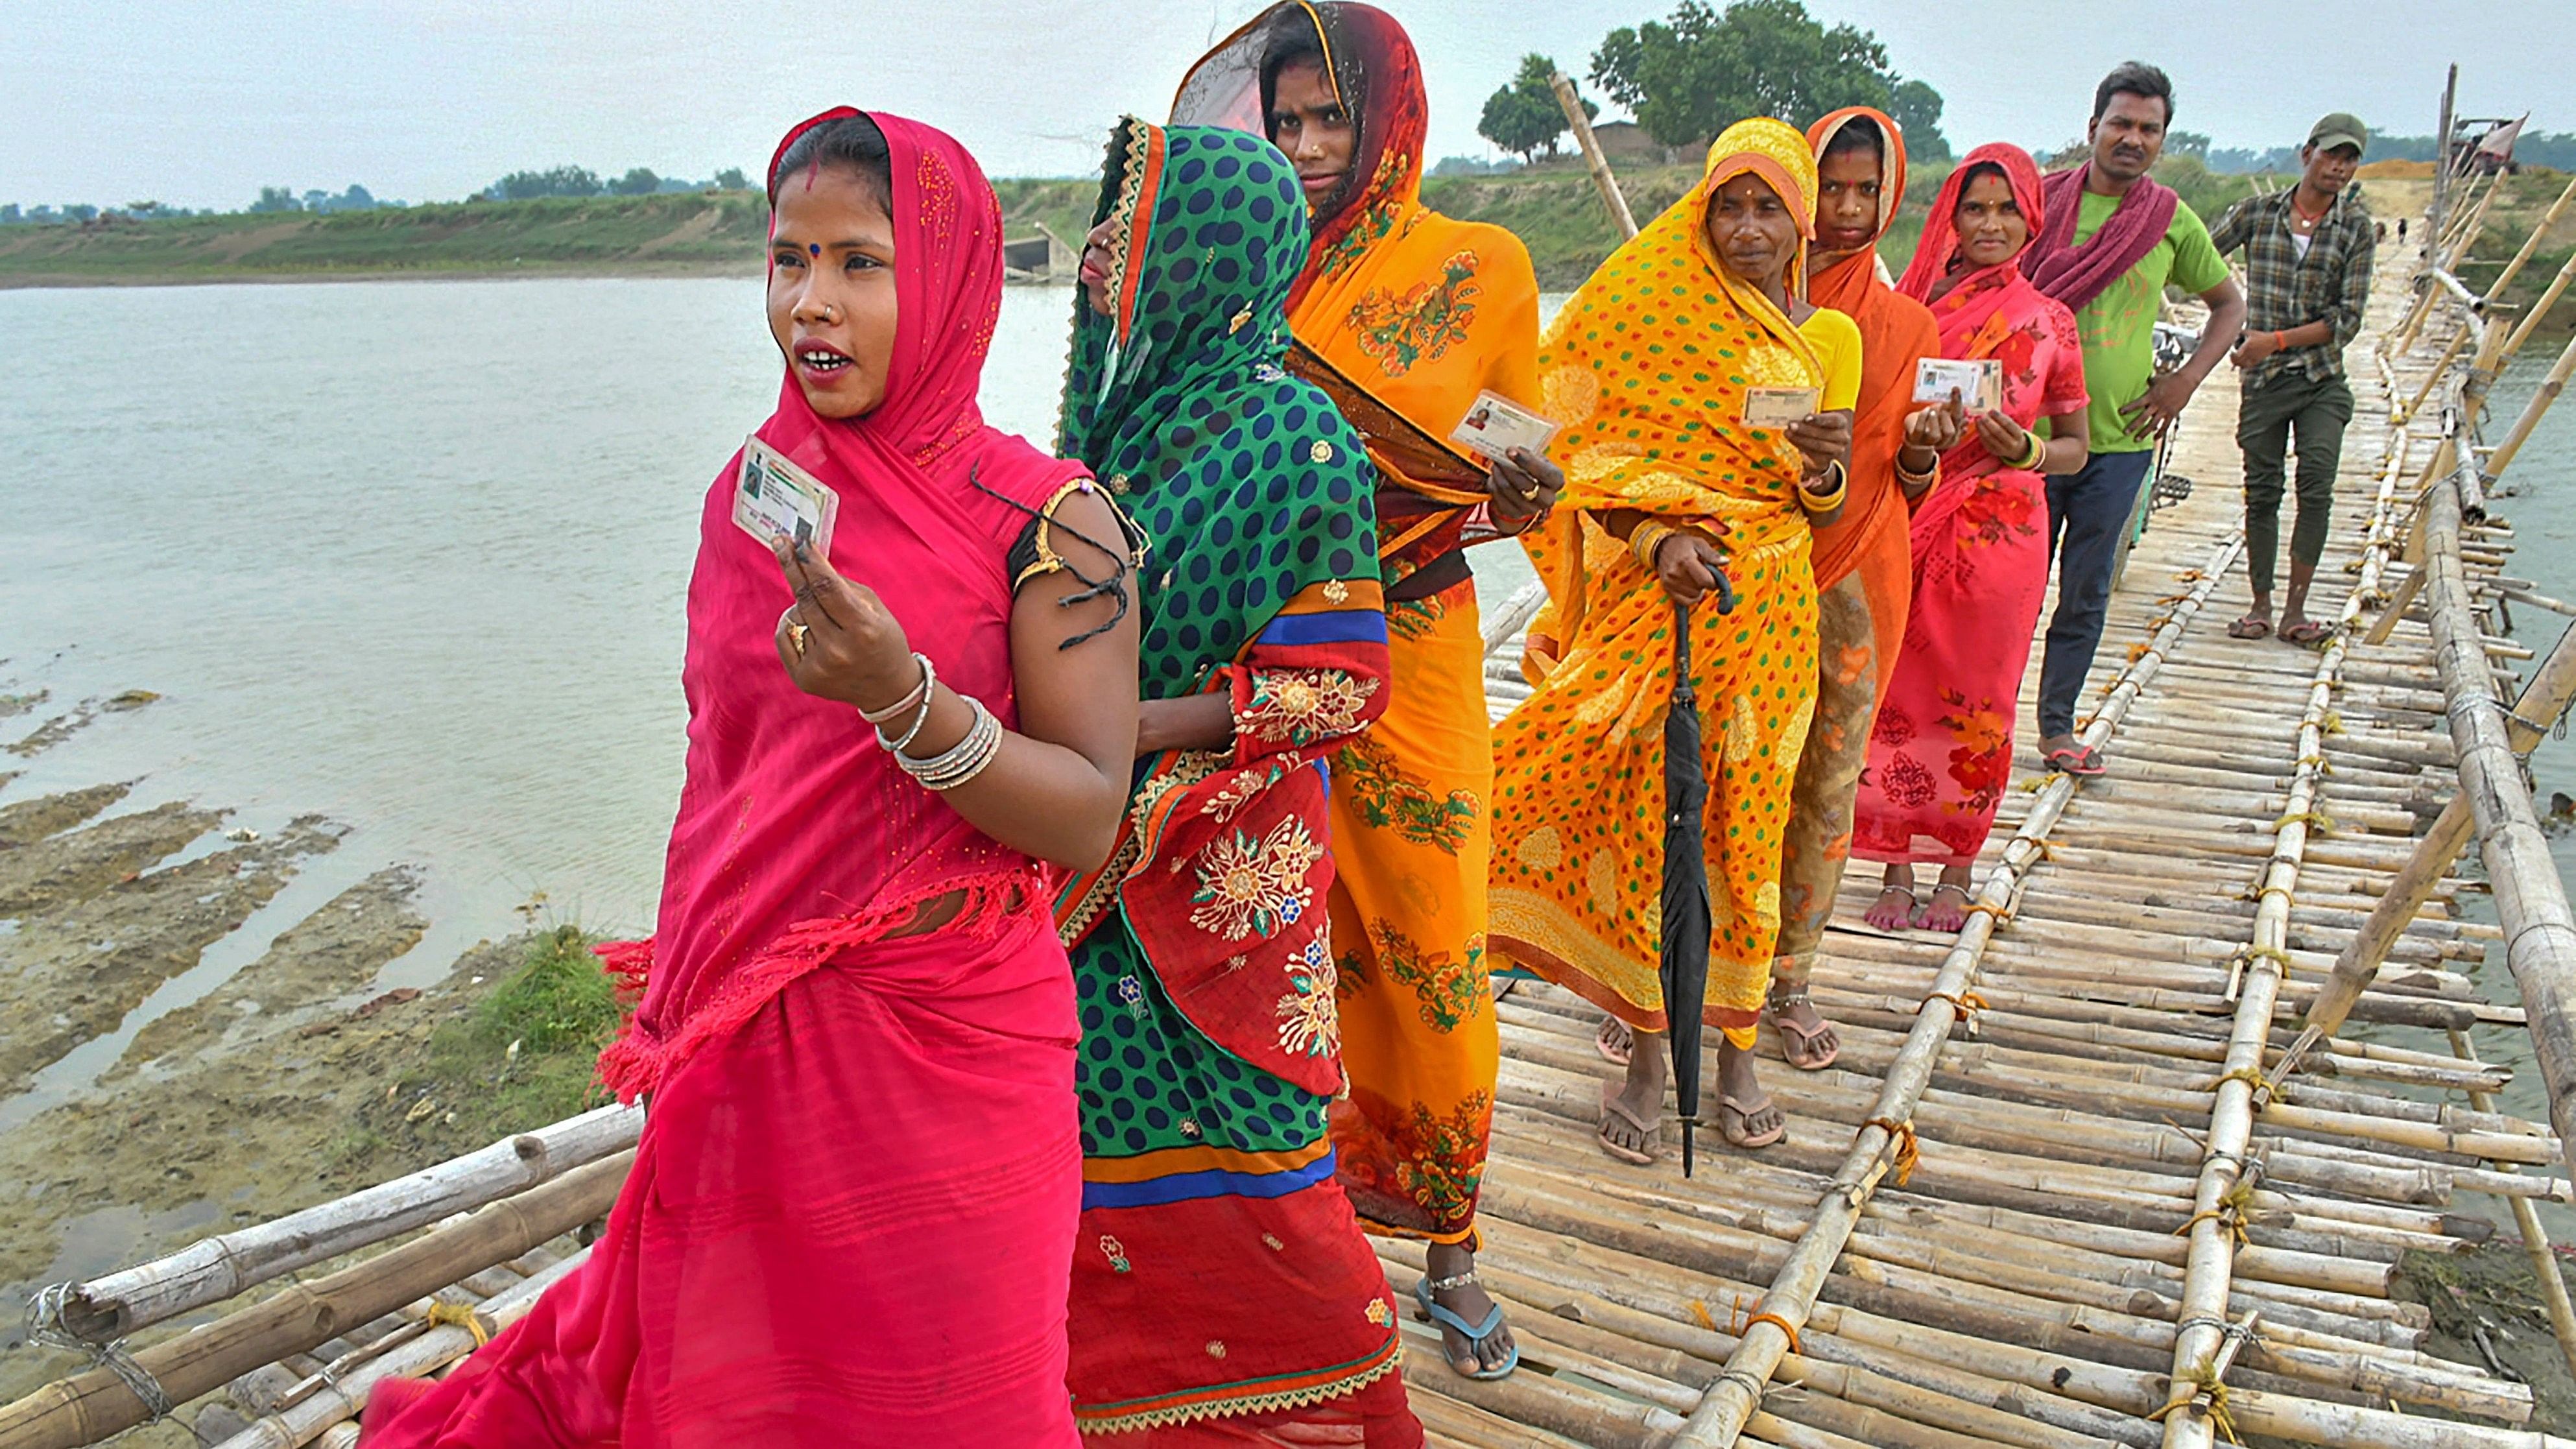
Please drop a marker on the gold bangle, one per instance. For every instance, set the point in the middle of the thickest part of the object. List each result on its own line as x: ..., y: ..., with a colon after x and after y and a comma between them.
x: 1914, y: 483
x: 2037, y: 455
x: 1831, y: 499
x: 1647, y: 537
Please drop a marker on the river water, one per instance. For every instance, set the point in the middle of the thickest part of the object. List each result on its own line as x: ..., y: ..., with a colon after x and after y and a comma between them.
x: 412, y: 556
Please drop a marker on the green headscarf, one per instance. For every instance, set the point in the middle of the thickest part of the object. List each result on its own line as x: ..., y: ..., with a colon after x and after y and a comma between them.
x: 1248, y: 483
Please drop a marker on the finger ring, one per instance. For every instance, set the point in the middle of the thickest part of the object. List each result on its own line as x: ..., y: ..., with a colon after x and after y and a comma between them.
x: 796, y: 635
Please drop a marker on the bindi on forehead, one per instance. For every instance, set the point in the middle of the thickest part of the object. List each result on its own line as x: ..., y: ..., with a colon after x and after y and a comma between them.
x: 814, y: 248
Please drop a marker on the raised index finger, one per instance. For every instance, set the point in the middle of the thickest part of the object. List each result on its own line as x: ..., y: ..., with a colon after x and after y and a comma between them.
x: 809, y: 575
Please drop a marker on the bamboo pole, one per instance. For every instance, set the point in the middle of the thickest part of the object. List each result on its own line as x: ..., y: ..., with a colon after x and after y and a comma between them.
x: 1581, y: 125
x: 1792, y: 1295
x: 90, y: 1406
x: 2540, y: 945
x: 2550, y: 387
x: 2535, y: 1239
x: 2548, y: 299
x: 2552, y: 688
x: 211, y: 1270
x: 344, y: 1394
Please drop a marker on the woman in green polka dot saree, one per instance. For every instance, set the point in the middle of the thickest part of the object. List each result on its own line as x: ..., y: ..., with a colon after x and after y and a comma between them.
x: 1222, y: 1290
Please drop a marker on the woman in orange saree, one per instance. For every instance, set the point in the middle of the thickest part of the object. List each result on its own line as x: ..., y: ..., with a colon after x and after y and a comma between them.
x: 1941, y: 753
x: 1652, y: 368
x: 1404, y: 316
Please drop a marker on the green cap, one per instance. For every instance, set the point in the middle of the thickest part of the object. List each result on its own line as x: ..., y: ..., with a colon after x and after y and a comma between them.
x: 2340, y: 129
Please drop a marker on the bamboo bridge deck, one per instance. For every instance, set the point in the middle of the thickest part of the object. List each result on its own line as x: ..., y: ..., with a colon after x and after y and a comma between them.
x: 2071, y: 1228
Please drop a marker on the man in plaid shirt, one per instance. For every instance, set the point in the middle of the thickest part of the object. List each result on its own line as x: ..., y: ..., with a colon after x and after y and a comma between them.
x: 2308, y: 256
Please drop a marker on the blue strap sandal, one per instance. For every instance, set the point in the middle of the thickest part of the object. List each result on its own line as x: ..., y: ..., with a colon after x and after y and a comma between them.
x: 1475, y: 1334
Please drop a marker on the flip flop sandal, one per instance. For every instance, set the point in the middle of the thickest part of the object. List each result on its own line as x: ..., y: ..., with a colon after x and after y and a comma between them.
x: 1475, y: 1333
x: 2307, y: 632
x: 1610, y: 1108
x: 1735, y: 1120
x: 2249, y: 627
x: 1806, y: 1038
x: 2083, y: 761
x: 1616, y: 1041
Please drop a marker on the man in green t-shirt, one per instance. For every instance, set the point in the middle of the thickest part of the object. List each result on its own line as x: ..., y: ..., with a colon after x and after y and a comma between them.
x: 2114, y: 239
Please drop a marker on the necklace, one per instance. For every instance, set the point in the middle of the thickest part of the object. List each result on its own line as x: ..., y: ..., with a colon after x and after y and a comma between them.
x: 2311, y: 218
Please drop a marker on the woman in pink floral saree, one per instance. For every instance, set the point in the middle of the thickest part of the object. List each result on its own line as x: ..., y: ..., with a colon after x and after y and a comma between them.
x: 1941, y: 753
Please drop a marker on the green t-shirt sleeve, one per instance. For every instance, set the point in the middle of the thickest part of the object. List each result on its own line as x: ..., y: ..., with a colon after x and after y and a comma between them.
x: 2197, y: 266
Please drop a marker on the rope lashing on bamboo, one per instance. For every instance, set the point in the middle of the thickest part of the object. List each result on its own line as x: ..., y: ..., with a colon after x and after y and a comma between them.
x: 2331, y: 723
x: 2001, y: 913
x: 2253, y: 1078
x: 1784, y: 1325
x: 45, y: 1326
x: 1964, y: 1004
x: 1909, y: 1151
x: 462, y: 1317
x: 2245, y: 956
x: 2318, y: 763
x: 2207, y: 1393
x: 2235, y: 1212
x: 2316, y: 820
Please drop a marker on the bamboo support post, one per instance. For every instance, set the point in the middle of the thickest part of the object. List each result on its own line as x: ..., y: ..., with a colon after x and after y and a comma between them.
x: 2535, y: 1238
x: 1513, y: 616
x: 2539, y: 309
x: 214, y: 1269
x: 1581, y: 125
x: 2552, y: 688
x: 90, y: 1406
x: 1791, y: 1298
x: 2541, y: 399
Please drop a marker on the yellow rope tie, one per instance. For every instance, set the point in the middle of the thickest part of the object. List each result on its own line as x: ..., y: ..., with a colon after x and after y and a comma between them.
x: 2332, y: 724
x: 2318, y: 763
x: 2203, y: 1383
x: 2285, y: 893
x: 2254, y: 1079
x: 2000, y: 913
x: 2137, y: 652
x: 2047, y: 848
x: 1784, y: 1325
x: 2188, y: 576
x: 2248, y: 955
x: 2316, y: 820
x: 462, y: 1317
x: 1909, y: 1149
x: 1965, y: 1003
x: 1699, y: 1311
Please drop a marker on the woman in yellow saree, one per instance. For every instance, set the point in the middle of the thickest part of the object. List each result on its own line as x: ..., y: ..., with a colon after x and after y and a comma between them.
x: 1404, y: 317
x: 1667, y: 370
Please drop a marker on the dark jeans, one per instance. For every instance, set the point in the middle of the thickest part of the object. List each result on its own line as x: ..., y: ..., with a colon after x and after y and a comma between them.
x: 2317, y: 410
x: 2087, y: 513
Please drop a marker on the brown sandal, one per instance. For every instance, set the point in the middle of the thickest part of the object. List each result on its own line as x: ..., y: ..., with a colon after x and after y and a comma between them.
x: 1735, y: 1124
x: 1611, y: 1107
x: 1616, y: 1041
x: 1781, y: 1023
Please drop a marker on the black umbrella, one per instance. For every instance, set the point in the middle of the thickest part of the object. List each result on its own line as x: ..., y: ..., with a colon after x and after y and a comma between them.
x: 1686, y: 910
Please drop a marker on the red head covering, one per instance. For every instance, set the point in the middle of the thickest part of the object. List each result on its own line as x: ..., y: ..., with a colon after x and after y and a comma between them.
x: 797, y: 838
x: 1844, y: 286
x: 1376, y: 73
x: 1940, y: 244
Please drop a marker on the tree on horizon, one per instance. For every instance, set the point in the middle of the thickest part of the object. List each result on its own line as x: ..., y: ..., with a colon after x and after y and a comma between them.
x: 1691, y: 76
x: 1524, y: 117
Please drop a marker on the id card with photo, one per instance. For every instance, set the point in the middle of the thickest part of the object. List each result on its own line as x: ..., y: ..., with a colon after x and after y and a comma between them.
x: 1495, y: 425
x: 1980, y: 384
x: 774, y: 498
x: 1778, y: 407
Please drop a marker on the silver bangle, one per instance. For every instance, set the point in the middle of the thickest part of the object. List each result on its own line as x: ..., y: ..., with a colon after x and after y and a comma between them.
x: 921, y: 717
x: 963, y: 761
x: 880, y: 716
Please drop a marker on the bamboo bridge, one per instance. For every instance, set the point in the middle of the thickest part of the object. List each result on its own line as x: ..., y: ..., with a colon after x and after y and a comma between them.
x: 2128, y: 1161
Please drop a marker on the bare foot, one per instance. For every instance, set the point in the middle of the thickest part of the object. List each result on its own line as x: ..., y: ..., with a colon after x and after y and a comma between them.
x: 1632, y: 1112
x: 1747, y: 1117
x: 1892, y: 911
x: 1947, y: 911
x: 1807, y: 1041
x: 1452, y: 1271
x: 1614, y: 1041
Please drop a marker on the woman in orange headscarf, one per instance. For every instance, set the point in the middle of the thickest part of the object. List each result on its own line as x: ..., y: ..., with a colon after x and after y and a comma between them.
x: 1404, y: 317
x: 1654, y: 369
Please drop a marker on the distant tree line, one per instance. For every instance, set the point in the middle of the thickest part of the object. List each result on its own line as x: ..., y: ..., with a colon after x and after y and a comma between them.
x: 582, y: 181
x: 1688, y: 77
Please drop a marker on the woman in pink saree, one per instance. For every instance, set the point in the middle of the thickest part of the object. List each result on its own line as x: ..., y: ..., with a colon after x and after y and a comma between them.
x: 1940, y: 755
x: 851, y: 1217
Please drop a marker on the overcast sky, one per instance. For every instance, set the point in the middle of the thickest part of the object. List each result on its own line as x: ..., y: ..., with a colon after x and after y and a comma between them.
x: 200, y: 103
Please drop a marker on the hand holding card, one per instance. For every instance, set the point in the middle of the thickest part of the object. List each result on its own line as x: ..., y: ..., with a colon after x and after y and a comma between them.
x: 1495, y: 425
x: 1778, y: 407
x: 1979, y: 382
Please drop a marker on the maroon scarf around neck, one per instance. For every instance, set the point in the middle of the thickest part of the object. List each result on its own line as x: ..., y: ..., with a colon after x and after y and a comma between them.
x: 2075, y: 275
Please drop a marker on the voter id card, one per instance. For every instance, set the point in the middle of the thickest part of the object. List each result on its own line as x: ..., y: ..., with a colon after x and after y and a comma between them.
x: 773, y: 498
x: 1778, y: 407
x: 1979, y: 383
x: 1495, y: 425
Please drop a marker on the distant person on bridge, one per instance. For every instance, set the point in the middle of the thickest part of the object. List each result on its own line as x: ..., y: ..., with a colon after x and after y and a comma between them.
x: 1415, y: 315
x: 2114, y: 240
x: 2308, y: 254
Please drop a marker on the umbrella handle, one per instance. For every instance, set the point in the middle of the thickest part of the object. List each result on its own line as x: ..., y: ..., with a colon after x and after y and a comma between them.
x: 1725, y: 592
x: 1682, y: 637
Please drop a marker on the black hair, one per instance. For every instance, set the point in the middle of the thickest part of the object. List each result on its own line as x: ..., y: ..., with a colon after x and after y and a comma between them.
x: 2134, y: 78
x: 1994, y: 169
x: 1860, y: 133
x: 852, y: 144
x: 1296, y: 45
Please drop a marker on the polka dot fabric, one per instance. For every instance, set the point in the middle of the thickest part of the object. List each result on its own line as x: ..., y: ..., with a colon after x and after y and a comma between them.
x: 1648, y: 368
